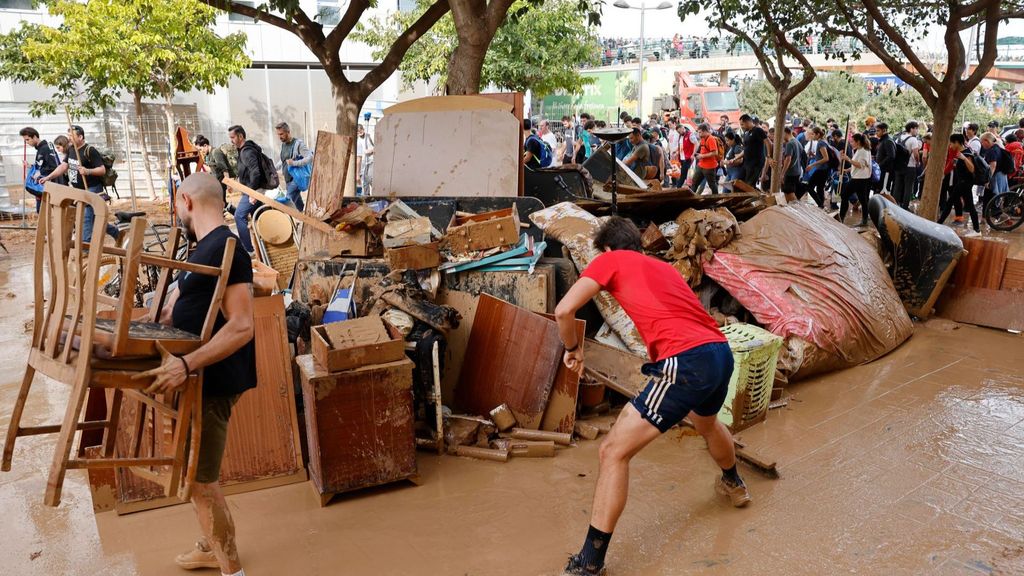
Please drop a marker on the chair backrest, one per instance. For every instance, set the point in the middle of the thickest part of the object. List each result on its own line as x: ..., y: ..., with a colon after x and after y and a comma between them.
x: 66, y: 275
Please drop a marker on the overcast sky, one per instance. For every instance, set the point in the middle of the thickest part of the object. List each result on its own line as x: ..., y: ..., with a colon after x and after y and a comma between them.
x: 664, y: 23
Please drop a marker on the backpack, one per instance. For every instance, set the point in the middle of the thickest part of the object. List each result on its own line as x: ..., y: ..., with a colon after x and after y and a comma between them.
x: 270, y: 178
x: 545, y: 151
x: 721, y: 147
x: 876, y: 172
x: 110, y: 176
x: 654, y: 155
x: 833, y: 157
x: 902, y: 157
x: 981, y: 172
x: 1005, y: 162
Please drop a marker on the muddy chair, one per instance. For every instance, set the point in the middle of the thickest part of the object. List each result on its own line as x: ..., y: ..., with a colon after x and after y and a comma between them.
x: 66, y: 347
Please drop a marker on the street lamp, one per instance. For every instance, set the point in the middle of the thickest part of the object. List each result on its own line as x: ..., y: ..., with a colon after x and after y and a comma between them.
x: 642, y: 8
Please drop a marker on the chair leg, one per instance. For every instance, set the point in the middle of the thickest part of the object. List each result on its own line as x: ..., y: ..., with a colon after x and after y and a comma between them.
x: 181, y: 422
x: 55, y: 483
x: 196, y: 430
x: 113, y: 419
x: 19, y: 407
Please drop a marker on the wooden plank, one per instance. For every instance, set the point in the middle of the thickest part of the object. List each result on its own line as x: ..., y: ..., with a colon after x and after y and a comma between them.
x: 263, y: 433
x: 1013, y: 275
x: 494, y: 371
x: 359, y: 425
x: 287, y: 209
x: 982, y: 266
x: 330, y: 171
x: 620, y: 369
x: 535, y: 292
x: 1003, y: 309
x: 560, y: 415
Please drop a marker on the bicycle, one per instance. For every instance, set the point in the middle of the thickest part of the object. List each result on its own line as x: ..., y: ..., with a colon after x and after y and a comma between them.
x: 1005, y: 212
x: 155, y: 241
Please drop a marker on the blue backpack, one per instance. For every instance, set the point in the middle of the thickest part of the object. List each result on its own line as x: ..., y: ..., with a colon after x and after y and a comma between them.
x: 545, y: 151
x: 876, y: 172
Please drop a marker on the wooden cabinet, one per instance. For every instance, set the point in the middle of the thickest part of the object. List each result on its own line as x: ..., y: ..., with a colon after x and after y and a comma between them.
x: 359, y: 425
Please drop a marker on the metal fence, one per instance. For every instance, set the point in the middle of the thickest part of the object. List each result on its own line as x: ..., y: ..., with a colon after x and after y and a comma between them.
x: 118, y: 130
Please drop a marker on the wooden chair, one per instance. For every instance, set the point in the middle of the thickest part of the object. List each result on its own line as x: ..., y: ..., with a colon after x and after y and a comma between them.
x: 66, y: 303
x: 275, y: 233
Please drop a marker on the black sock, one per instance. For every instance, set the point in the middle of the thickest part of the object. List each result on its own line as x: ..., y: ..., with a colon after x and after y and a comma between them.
x: 732, y: 476
x: 594, y: 549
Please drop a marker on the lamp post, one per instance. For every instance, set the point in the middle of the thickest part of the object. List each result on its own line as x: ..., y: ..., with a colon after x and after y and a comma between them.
x: 642, y: 8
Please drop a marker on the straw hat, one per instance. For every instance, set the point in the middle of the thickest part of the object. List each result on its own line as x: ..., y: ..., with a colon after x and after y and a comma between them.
x: 274, y: 227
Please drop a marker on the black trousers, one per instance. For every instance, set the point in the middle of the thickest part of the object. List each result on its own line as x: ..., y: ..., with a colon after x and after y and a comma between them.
x: 862, y: 188
x: 815, y: 186
x: 965, y: 194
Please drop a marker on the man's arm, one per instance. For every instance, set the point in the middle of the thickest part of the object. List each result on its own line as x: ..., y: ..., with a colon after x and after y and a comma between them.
x: 565, y: 315
x: 235, y: 333
x: 307, y: 157
x: 57, y: 173
x: 252, y: 165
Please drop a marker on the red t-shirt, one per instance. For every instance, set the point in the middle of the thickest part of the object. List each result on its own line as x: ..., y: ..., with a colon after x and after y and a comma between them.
x: 666, y: 312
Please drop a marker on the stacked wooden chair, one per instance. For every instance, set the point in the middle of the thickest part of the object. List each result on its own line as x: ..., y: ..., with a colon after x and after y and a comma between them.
x: 64, y: 348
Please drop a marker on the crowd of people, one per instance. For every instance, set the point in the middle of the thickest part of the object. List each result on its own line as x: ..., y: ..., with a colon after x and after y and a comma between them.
x: 838, y: 167
x: 627, y: 50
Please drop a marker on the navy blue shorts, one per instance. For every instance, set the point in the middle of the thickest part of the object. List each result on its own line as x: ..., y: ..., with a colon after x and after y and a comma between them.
x: 695, y: 380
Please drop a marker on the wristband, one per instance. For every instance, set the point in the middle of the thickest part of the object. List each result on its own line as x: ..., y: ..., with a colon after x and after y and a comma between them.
x: 188, y: 371
x: 573, y: 349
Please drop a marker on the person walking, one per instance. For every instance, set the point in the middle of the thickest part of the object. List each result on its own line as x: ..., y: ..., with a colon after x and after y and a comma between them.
x: 364, y: 162
x: 688, y: 141
x: 906, y: 174
x: 221, y: 160
x: 707, y: 162
x: 963, y: 179
x: 549, y: 138
x: 1000, y: 165
x: 85, y: 170
x: 227, y: 362
x: 294, y: 152
x: 251, y: 175
x: 755, y: 151
x: 689, y: 367
x: 733, y: 158
x: 885, y: 157
x: 45, y: 162
x: 860, y: 177
x: 816, y: 172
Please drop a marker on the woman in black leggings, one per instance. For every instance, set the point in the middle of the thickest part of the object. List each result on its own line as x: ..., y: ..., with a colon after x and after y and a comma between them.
x: 816, y: 171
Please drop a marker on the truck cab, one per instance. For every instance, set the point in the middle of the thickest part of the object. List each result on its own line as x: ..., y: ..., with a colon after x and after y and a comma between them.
x: 705, y: 103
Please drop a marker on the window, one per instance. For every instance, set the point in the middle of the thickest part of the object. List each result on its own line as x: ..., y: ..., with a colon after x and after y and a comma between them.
x: 406, y: 5
x: 721, y: 101
x: 241, y: 18
x: 328, y: 12
x: 16, y: 5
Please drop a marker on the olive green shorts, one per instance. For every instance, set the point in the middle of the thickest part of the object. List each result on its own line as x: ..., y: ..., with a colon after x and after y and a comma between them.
x: 216, y: 413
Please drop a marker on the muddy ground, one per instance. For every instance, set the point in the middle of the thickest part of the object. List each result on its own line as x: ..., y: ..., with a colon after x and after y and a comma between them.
x: 913, y: 464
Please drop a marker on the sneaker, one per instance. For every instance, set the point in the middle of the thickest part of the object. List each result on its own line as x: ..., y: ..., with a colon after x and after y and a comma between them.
x: 575, y: 567
x: 199, y: 557
x: 958, y: 221
x: 738, y: 494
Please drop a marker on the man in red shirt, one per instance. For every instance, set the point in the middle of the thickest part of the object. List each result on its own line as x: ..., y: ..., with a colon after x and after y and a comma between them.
x: 690, y: 367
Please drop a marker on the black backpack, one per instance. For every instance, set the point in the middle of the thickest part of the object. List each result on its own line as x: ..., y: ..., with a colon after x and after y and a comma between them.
x: 981, y: 173
x: 270, y: 178
x: 833, y: 156
x: 902, y: 156
x: 1005, y: 162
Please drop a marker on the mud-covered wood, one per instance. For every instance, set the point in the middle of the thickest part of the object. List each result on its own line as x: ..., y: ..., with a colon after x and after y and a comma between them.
x: 359, y: 425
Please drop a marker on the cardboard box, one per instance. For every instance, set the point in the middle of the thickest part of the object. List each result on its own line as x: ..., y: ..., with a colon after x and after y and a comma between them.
x: 354, y: 343
x: 416, y: 257
x: 409, y: 232
x: 357, y: 242
x: 469, y: 233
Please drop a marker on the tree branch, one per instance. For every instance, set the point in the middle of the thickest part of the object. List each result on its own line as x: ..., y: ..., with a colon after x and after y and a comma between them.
x: 897, y: 38
x: 988, y: 57
x: 393, y: 58
x: 345, y: 26
x: 254, y: 13
x: 497, y: 11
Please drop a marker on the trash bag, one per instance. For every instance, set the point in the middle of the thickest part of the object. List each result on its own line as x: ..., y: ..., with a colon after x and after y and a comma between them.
x: 805, y: 276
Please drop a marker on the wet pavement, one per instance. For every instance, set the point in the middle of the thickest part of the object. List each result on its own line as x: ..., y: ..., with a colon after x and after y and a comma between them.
x: 913, y: 464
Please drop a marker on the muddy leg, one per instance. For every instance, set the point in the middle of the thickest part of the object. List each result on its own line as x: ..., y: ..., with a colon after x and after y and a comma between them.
x: 216, y: 523
x: 629, y: 435
x: 718, y: 437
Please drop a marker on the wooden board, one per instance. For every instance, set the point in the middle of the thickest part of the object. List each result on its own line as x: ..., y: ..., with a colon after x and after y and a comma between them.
x: 621, y: 368
x: 286, y: 208
x: 263, y: 433
x: 330, y: 171
x: 1013, y: 275
x: 560, y: 415
x: 535, y: 292
x: 1003, y: 309
x: 359, y: 425
x: 495, y: 372
x: 982, y: 266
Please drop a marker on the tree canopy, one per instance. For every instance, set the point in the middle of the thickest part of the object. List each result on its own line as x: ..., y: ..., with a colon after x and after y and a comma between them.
x: 540, y: 47
x: 152, y: 48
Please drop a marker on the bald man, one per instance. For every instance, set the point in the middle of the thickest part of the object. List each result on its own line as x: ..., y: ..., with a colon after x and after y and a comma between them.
x: 227, y: 361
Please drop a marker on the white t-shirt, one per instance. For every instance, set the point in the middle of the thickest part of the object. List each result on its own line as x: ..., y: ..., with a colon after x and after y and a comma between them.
x: 552, y: 141
x: 913, y: 145
x: 863, y: 157
x: 673, y: 143
x: 975, y: 145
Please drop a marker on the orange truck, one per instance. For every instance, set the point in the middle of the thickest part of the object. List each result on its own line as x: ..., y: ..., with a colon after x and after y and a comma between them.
x: 704, y: 103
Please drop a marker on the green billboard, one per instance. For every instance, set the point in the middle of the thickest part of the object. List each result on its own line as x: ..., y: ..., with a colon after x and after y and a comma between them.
x: 612, y: 91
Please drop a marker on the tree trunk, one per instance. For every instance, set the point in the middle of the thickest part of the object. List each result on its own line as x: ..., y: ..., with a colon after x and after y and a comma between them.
x: 171, y: 142
x: 466, y: 68
x: 347, y: 104
x: 942, y: 127
x: 143, y: 149
x: 781, y: 104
